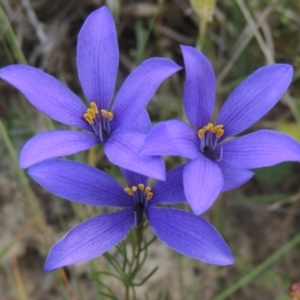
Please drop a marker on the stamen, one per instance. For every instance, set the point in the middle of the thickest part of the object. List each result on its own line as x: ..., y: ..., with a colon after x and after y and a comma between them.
x: 107, y: 114
x: 104, y: 113
x: 208, y: 127
x: 217, y: 127
x: 147, y: 189
x: 110, y: 116
x: 219, y: 133
x: 94, y: 107
x: 88, y: 118
x: 149, y: 196
x: 201, y: 133
x: 141, y: 186
x: 218, y: 130
x: 91, y: 113
x: 128, y: 191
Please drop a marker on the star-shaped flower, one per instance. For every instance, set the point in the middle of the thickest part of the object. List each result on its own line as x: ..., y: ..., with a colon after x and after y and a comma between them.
x: 182, y: 231
x: 218, y: 162
x: 119, y: 125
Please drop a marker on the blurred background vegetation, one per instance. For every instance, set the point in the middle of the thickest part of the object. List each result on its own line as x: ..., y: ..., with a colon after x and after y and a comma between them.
x: 260, y: 220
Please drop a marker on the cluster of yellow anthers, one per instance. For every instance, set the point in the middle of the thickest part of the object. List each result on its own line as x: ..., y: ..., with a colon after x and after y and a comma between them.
x: 91, y: 113
x: 217, y: 130
x: 147, y: 190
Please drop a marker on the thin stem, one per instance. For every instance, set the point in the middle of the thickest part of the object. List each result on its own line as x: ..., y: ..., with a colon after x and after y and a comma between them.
x: 11, y: 37
x: 141, y: 49
x: 135, y: 257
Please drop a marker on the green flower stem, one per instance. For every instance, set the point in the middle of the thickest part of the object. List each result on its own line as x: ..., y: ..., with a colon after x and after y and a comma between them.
x: 11, y: 38
x: 142, y: 47
x: 136, y: 249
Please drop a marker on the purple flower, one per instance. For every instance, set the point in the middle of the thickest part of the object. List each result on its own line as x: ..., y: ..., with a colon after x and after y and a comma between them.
x: 216, y: 162
x: 182, y: 231
x: 120, y: 125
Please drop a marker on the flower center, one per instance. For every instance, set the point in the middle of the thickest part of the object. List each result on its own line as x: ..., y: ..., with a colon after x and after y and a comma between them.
x: 99, y: 122
x: 209, y: 136
x: 141, y: 195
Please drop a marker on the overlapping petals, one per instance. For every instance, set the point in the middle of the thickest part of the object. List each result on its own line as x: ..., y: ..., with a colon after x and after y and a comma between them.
x: 233, y: 177
x: 141, y: 124
x: 182, y: 231
x: 203, y: 181
x: 97, y: 61
x: 122, y: 149
x: 217, y: 164
x: 172, y: 138
x: 139, y: 88
x: 170, y: 191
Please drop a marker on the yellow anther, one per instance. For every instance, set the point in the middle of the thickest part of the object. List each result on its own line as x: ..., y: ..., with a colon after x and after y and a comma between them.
x: 91, y: 113
x: 104, y: 113
x: 147, y: 189
x: 128, y: 191
x: 94, y: 107
x: 217, y: 127
x: 107, y: 114
x: 149, y: 196
x: 209, y: 126
x: 217, y: 130
x: 201, y: 133
x: 141, y: 186
x: 219, y: 133
x: 110, y: 116
x: 88, y: 118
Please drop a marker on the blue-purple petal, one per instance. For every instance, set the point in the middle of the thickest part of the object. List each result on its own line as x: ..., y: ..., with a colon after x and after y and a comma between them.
x: 142, y: 123
x: 133, y: 178
x: 189, y: 235
x: 122, y: 149
x: 98, y: 57
x: 90, y: 239
x: 233, y: 177
x: 203, y: 181
x: 139, y: 88
x: 55, y: 143
x: 47, y: 94
x: 170, y: 191
x: 254, y: 97
x: 172, y: 137
x: 199, y: 87
x: 81, y: 183
x: 262, y: 148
